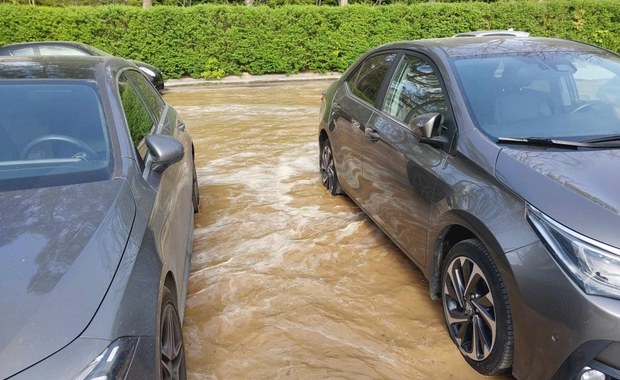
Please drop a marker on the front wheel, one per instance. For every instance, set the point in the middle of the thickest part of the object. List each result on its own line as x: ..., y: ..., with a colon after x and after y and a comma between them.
x: 172, y: 350
x: 476, y: 308
x: 328, y: 170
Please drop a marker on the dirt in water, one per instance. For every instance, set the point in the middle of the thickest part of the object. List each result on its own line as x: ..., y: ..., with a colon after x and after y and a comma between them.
x: 288, y: 281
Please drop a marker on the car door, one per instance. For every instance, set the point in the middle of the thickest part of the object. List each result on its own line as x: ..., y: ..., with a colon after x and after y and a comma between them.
x: 172, y: 212
x: 400, y: 169
x: 352, y: 107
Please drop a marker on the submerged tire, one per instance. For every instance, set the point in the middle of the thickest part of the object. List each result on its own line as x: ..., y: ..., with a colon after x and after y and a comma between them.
x: 329, y: 178
x: 476, y: 308
x: 195, y: 193
x: 171, y: 347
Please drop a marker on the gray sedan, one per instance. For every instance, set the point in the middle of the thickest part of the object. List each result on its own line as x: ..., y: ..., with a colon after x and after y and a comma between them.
x: 97, y: 194
x: 492, y: 162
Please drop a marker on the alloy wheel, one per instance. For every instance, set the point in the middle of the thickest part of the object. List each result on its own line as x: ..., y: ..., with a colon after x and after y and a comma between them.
x: 172, y: 352
x: 469, y: 308
x: 328, y: 171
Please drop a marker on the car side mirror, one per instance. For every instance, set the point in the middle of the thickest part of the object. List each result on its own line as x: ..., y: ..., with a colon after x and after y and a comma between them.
x: 164, y: 150
x: 426, y: 124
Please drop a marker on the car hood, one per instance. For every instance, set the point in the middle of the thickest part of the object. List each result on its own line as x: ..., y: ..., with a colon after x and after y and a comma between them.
x: 578, y: 189
x: 59, y: 250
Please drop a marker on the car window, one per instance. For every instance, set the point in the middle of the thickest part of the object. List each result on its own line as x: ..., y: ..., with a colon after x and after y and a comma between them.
x: 151, y: 97
x: 59, y: 50
x: 52, y: 132
x: 25, y: 51
x: 414, y: 90
x: 366, y: 81
x: 562, y: 95
x: 137, y: 114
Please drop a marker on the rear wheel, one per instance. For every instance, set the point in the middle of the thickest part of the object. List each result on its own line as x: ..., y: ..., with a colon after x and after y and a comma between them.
x: 195, y: 193
x: 172, y: 350
x: 476, y: 308
x: 328, y: 169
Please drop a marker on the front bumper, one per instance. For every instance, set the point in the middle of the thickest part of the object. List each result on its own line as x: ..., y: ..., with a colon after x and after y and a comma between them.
x: 558, y: 328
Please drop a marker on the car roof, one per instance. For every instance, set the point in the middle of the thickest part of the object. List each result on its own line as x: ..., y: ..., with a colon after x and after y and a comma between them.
x: 492, y: 45
x: 91, y: 50
x: 38, y: 43
x: 484, y: 33
x: 58, y: 67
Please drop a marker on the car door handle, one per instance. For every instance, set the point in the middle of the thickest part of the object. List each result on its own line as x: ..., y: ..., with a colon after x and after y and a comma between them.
x: 372, y: 135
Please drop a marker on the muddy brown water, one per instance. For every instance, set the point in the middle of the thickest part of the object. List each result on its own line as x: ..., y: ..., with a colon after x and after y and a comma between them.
x: 288, y: 281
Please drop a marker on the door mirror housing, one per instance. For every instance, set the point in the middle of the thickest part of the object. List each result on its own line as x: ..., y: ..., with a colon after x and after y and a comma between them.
x: 424, y: 125
x: 164, y: 151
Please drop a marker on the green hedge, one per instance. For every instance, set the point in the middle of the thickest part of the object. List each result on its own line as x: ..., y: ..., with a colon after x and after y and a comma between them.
x: 217, y: 40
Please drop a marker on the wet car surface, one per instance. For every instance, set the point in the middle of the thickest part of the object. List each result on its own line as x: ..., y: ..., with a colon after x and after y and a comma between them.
x: 288, y: 281
x: 96, y: 222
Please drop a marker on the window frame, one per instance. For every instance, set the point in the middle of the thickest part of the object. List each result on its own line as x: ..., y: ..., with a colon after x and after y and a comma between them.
x: 398, y: 65
x: 140, y: 151
x: 382, y: 87
x: 449, y: 120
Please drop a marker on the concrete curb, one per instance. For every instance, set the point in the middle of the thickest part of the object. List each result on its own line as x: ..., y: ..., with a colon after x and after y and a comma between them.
x: 247, y: 79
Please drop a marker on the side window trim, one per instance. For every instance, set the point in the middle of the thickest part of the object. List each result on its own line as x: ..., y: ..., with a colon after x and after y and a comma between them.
x: 387, y: 79
x: 155, y: 118
x: 383, y: 85
x: 140, y: 162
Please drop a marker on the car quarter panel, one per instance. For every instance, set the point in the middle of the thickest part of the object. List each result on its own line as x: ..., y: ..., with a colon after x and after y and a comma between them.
x: 348, y: 122
x: 171, y: 215
x: 124, y: 309
x: 173, y: 212
x: 469, y: 195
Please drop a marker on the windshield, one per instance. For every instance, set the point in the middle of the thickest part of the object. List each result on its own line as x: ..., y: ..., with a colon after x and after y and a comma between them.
x: 561, y: 95
x: 51, y: 133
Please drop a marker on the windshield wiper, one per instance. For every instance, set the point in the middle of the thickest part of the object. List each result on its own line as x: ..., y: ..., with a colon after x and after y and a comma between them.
x: 543, y: 141
x: 604, y: 139
x: 604, y: 142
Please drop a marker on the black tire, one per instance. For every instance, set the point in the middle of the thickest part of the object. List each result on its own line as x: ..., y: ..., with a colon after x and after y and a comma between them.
x: 327, y: 166
x: 195, y: 193
x: 476, y: 308
x: 171, y: 348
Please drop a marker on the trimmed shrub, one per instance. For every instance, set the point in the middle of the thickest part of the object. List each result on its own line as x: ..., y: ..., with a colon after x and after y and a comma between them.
x: 217, y: 40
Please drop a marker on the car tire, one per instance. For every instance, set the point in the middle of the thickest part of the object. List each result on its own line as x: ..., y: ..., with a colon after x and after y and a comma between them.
x: 476, y: 308
x: 327, y: 166
x: 195, y: 193
x: 171, y: 347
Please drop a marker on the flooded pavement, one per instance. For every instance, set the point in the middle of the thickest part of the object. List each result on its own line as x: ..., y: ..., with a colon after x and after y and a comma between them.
x: 288, y: 281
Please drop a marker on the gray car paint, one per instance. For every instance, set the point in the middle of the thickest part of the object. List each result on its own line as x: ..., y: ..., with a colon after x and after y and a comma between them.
x: 157, y: 245
x: 585, y: 180
x: 50, y: 242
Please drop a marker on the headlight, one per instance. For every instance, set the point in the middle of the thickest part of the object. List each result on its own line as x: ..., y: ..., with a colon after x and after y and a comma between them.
x: 593, y: 265
x: 147, y: 71
x: 113, y: 363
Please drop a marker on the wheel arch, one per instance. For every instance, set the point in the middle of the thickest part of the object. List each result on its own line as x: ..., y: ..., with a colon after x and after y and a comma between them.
x: 456, y: 227
x: 322, y: 138
x: 171, y: 284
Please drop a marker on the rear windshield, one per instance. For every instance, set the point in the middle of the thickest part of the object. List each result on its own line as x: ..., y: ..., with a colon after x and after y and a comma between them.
x: 51, y: 133
x: 558, y: 94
